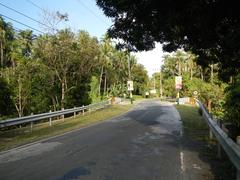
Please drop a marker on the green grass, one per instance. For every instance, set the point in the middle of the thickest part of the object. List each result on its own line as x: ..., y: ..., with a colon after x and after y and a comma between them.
x: 138, y: 97
x: 20, y: 136
x: 196, y: 138
x: 194, y: 126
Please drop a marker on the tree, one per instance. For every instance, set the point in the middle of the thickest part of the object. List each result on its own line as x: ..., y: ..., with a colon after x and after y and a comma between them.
x: 6, y: 39
x: 140, y: 79
x: 208, y: 28
x: 6, y: 103
x: 232, y: 103
x: 85, y: 62
x: 57, y: 54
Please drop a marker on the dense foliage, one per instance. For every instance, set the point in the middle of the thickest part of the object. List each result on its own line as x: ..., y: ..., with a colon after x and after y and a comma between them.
x: 60, y: 70
x: 232, y: 104
x: 207, y: 28
x: 204, y: 81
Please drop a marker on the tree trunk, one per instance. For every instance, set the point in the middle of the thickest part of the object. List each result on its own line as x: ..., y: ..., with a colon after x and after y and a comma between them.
x: 179, y: 68
x: 100, y: 82
x: 63, y: 93
x: 191, y: 73
x: 1, y: 47
x: 201, y: 73
x: 209, y: 105
x: 54, y: 103
x: 18, y: 104
x: 105, y: 84
x: 161, y: 89
x: 212, y: 73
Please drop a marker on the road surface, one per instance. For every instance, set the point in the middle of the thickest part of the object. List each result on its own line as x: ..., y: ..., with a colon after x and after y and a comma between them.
x: 141, y: 144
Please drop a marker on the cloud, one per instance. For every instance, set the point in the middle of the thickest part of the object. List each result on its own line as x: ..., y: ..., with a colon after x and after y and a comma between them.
x: 152, y: 60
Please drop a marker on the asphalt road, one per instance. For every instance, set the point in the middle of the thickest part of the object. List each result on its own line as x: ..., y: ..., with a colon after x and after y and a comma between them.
x: 141, y: 144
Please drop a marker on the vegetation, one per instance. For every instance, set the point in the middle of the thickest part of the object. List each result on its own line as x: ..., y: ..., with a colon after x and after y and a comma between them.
x: 209, y: 29
x: 205, y: 81
x: 60, y: 69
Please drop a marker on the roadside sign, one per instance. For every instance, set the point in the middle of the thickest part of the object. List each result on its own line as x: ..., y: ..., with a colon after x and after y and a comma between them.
x: 130, y: 85
x: 195, y: 93
x: 178, y: 82
x: 153, y: 91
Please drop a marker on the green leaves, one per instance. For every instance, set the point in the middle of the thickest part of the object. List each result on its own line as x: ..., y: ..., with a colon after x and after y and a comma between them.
x: 232, y: 104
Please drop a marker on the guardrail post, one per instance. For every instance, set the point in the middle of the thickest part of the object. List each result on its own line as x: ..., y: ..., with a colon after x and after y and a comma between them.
x: 219, y: 148
x: 74, y: 114
x: 50, y: 119
x: 83, y: 110
x: 31, y: 123
x: 219, y: 151
x: 210, y: 134
x: 62, y: 116
x: 238, y: 170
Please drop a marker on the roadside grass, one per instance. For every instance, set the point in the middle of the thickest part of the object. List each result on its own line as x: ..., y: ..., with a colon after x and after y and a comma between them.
x: 194, y: 126
x: 138, y: 97
x: 196, y: 138
x: 20, y: 136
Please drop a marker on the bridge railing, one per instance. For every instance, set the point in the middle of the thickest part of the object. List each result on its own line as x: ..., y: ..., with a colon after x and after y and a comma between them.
x: 50, y: 115
x: 230, y: 147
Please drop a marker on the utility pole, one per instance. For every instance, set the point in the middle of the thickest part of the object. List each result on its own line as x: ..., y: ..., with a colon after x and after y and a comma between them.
x: 160, y: 83
x: 154, y: 82
x: 211, y: 72
x: 129, y: 76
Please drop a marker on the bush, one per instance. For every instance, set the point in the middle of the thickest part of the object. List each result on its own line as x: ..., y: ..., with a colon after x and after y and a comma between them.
x: 6, y: 103
x: 232, y: 103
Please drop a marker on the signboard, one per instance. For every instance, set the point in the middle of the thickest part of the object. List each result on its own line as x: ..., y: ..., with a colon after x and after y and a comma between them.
x: 195, y: 93
x: 130, y: 85
x: 178, y: 82
x: 153, y: 91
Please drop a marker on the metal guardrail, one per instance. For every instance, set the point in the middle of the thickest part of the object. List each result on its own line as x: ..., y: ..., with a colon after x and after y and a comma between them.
x: 230, y: 147
x: 38, y: 117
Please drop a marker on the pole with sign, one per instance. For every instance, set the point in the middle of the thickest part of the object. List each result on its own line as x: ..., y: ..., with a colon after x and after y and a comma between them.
x: 178, y: 86
x: 130, y: 89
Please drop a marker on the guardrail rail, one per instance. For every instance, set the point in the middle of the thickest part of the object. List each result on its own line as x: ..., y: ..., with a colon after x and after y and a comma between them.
x: 230, y: 147
x: 50, y: 115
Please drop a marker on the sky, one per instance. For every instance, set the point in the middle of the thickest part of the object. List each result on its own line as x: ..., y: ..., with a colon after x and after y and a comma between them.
x: 82, y: 15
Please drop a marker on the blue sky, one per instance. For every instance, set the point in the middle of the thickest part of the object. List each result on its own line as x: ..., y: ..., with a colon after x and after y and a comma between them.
x: 83, y: 15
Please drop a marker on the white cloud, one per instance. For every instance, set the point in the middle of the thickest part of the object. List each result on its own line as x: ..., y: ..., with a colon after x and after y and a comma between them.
x: 152, y: 60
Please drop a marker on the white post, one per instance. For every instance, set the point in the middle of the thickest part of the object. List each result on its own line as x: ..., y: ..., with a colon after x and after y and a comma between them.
x: 63, y: 114
x: 219, y: 148
x: 238, y: 170
x: 210, y: 134
x: 31, y: 123
x: 219, y: 151
x: 74, y: 114
x: 50, y: 119
x: 83, y: 110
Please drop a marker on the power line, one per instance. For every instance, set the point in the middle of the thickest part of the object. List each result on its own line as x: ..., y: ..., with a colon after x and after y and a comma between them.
x: 24, y: 15
x: 43, y: 10
x: 92, y: 12
x: 35, y: 5
x: 21, y: 23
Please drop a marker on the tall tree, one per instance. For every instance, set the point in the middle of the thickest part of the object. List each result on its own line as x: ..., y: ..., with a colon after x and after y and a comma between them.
x: 6, y: 39
x: 208, y: 28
